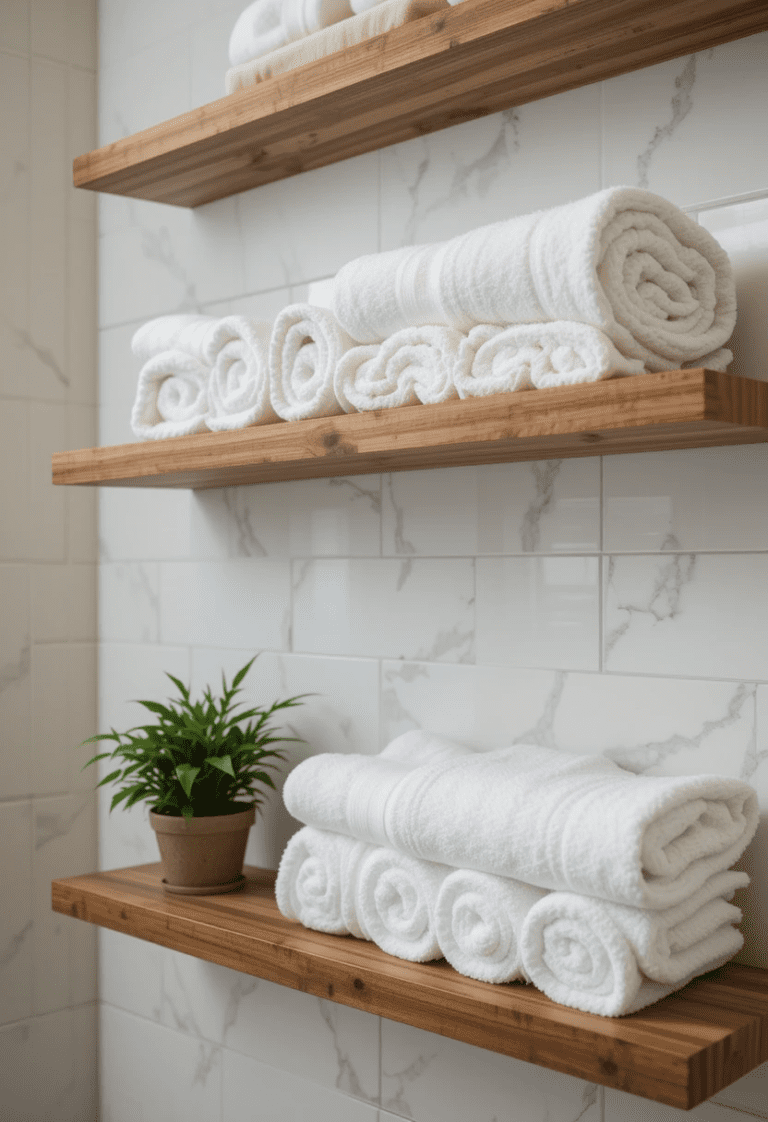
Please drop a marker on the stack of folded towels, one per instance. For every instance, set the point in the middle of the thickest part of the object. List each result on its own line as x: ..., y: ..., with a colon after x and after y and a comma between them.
x: 605, y: 889
x: 614, y: 284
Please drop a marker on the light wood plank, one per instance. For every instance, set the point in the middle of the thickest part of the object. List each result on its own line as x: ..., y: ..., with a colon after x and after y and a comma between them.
x: 673, y: 409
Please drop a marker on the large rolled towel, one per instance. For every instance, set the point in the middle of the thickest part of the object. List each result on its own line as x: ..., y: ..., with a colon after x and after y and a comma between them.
x: 608, y: 959
x: 623, y: 260
x: 316, y: 881
x: 171, y: 397
x: 189, y: 333
x: 548, y: 818
x: 306, y: 345
x: 414, y: 366
x: 479, y: 919
x: 395, y: 900
x: 258, y: 30
x: 239, y: 391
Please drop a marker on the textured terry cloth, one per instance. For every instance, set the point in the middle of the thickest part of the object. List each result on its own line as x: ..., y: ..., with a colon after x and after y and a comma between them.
x: 189, y: 333
x: 600, y: 957
x: 357, y: 29
x: 395, y: 902
x: 171, y: 397
x: 239, y: 391
x: 304, y: 350
x: 478, y: 921
x: 267, y: 25
x: 316, y: 881
x: 414, y: 366
x: 570, y: 822
x: 537, y: 356
x: 623, y: 260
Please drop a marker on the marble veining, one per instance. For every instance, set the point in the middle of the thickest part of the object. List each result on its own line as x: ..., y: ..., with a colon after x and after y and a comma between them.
x: 663, y: 601
x: 347, y: 1078
x: 246, y: 542
x: 157, y: 247
x: 682, y: 104
x: 16, y: 669
x: 402, y: 545
x: 545, y: 474
x: 242, y: 987
x: 542, y: 733
x: 370, y: 495
x: 50, y: 825
x: 14, y: 945
x: 25, y: 341
x: 396, y: 1100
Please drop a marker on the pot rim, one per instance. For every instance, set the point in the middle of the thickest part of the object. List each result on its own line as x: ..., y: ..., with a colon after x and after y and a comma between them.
x: 204, y: 824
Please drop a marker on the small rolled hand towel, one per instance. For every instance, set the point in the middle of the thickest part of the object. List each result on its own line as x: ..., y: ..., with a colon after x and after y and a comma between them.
x: 306, y: 345
x: 537, y: 356
x: 239, y: 391
x: 395, y: 903
x: 189, y: 333
x: 623, y: 260
x: 412, y: 367
x: 479, y: 919
x: 171, y: 397
x: 258, y: 30
x: 304, y: 17
x: 316, y: 881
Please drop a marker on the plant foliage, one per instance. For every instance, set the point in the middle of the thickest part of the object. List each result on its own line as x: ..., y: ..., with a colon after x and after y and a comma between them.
x: 197, y: 759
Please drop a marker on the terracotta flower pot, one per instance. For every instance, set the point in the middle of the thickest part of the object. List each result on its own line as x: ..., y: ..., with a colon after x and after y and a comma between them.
x: 203, y: 856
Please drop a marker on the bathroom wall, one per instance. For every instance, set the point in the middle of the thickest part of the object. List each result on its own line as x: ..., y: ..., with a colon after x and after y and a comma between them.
x: 595, y: 605
x: 48, y: 552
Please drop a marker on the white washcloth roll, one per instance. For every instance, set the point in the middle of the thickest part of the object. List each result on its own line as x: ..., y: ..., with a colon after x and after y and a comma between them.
x: 608, y: 959
x: 316, y: 881
x: 258, y: 30
x: 553, y: 819
x: 478, y: 921
x: 395, y: 901
x: 188, y: 333
x: 623, y: 260
x: 306, y: 345
x: 414, y: 366
x: 303, y: 17
x: 171, y: 397
x: 239, y: 391
x: 537, y: 356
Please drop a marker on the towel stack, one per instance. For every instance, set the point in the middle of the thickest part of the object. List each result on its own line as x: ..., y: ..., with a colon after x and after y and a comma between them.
x: 605, y: 889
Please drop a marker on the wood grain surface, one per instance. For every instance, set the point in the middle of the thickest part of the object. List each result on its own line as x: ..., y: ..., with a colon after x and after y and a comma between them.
x: 650, y: 412
x: 473, y: 59
x: 681, y: 1051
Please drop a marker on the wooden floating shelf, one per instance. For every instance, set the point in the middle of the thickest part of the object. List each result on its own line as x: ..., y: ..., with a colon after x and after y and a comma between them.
x: 470, y: 60
x: 680, y: 1051
x: 650, y: 412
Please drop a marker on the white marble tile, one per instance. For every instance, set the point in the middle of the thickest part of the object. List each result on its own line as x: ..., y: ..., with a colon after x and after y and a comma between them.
x: 63, y: 603
x: 185, y: 1086
x: 15, y: 680
x: 621, y: 1107
x: 687, y: 614
x: 429, y: 1078
x: 548, y: 506
x: 256, y: 1092
x: 538, y: 611
x: 749, y: 1094
x: 243, y: 604
x: 63, y: 715
x: 209, y: 58
x: 129, y: 103
x: 659, y: 124
x: 491, y: 169
x: 129, y: 602
x: 144, y: 524
x: 260, y: 306
x: 82, y: 311
x: 696, y: 499
x: 16, y: 925
x: 14, y: 28
x: 65, y: 30
x: 118, y: 378
x: 416, y: 608
x: 305, y: 518
x: 130, y: 973
x: 14, y: 466
x: 81, y: 138
x: 125, y: 31
x: 48, y: 430
x: 49, y: 1068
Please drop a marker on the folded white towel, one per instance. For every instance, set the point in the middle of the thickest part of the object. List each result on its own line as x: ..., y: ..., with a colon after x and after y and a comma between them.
x: 600, y: 957
x: 395, y: 902
x: 414, y: 366
x: 536, y: 356
x: 624, y: 260
x: 304, y: 350
x: 189, y: 333
x: 548, y: 818
x: 304, y: 17
x: 316, y: 881
x: 239, y: 391
x: 478, y: 922
x: 171, y: 397
x: 258, y: 30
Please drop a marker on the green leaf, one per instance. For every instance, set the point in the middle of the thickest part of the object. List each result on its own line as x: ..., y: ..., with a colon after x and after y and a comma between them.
x: 110, y: 778
x: 183, y: 690
x: 186, y: 775
x: 242, y: 673
x: 101, y: 756
x: 223, y: 763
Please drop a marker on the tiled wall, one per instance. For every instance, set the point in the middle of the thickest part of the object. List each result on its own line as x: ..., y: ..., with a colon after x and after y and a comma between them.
x: 48, y: 551
x: 611, y: 605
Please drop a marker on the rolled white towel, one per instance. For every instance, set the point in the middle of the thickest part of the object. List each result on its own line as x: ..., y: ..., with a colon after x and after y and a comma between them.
x: 303, y: 17
x: 623, y: 260
x: 395, y: 903
x: 608, y: 959
x: 316, y: 881
x: 258, y: 30
x: 189, y: 333
x: 171, y: 397
x: 537, y: 356
x: 478, y: 921
x: 306, y: 345
x: 414, y: 366
x: 239, y: 392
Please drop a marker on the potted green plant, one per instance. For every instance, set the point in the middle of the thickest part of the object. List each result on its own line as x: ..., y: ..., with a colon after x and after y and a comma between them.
x: 202, y: 771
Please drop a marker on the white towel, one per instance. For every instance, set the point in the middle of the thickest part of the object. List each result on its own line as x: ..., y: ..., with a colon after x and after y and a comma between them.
x: 189, y: 333
x: 395, y: 901
x: 549, y: 818
x: 304, y: 350
x: 239, y: 391
x: 537, y: 356
x: 479, y: 920
x: 316, y: 881
x: 267, y: 25
x: 608, y: 959
x: 171, y: 397
x: 623, y: 260
x: 414, y: 366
